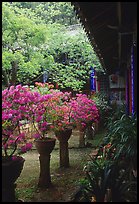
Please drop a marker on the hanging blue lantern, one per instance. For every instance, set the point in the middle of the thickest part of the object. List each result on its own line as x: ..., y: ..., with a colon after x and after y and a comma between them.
x: 45, y: 76
x: 92, y: 79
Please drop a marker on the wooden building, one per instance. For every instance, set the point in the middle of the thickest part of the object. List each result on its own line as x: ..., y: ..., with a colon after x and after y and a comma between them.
x: 111, y: 28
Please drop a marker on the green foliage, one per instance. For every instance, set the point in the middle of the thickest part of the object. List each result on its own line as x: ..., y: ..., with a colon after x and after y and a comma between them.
x: 102, y: 102
x: 22, y: 41
x: 73, y: 57
x: 35, y: 38
x: 108, y: 181
x: 111, y: 175
x: 51, y: 12
x: 122, y: 134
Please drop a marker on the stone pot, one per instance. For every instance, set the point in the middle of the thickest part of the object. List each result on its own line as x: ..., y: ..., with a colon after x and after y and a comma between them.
x: 45, y: 145
x: 44, y: 148
x: 63, y: 137
x: 11, y: 170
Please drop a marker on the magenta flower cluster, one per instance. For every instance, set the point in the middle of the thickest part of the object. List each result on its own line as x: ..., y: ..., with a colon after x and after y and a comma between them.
x: 84, y: 110
x: 56, y: 111
x: 59, y: 110
x: 17, y: 106
x: 40, y: 119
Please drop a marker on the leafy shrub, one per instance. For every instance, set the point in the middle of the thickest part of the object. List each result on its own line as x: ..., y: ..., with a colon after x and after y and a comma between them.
x: 102, y: 104
x: 122, y: 134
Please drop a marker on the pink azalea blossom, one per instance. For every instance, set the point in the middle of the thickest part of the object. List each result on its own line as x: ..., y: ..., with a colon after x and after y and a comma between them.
x: 54, y: 110
x: 26, y: 147
x: 83, y: 109
x: 17, y: 105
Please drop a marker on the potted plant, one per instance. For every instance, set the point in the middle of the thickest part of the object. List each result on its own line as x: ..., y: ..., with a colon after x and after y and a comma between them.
x: 83, y: 112
x: 59, y: 110
x: 15, y: 108
x: 44, y: 144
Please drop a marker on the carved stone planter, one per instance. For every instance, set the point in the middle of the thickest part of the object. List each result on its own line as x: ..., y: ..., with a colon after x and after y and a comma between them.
x: 45, y: 147
x: 11, y: 170
x: 63, y: 137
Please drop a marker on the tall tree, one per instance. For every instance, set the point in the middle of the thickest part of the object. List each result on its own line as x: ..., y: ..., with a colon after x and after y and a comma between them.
x: 32, y: 46
x: 22, y: 39
x: 52, y: 12
x: 73, y: 57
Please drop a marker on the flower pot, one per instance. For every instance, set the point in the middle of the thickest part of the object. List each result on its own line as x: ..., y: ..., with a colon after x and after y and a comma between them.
x: 63, y: 137
x: 11, y: 170
x: 45, y: 147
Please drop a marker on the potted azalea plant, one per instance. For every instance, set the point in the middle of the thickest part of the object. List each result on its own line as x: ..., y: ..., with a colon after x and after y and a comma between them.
x: 55, y: 114
x: 43, y: 142
x: 58, y: 113
x: 51, y: 114
x: 16, y: 108
x: 83, y: 112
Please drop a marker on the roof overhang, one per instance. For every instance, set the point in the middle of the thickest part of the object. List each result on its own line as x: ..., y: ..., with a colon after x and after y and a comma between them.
x: 111, y: 28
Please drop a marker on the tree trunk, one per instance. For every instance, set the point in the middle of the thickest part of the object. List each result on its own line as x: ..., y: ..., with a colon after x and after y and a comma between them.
x: 14, y: 73
x: 6, y: 80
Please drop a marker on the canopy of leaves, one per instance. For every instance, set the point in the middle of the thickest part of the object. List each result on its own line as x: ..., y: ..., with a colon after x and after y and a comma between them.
x: 40, y: 36
x: 51, y: 12
x: 22, y: 41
